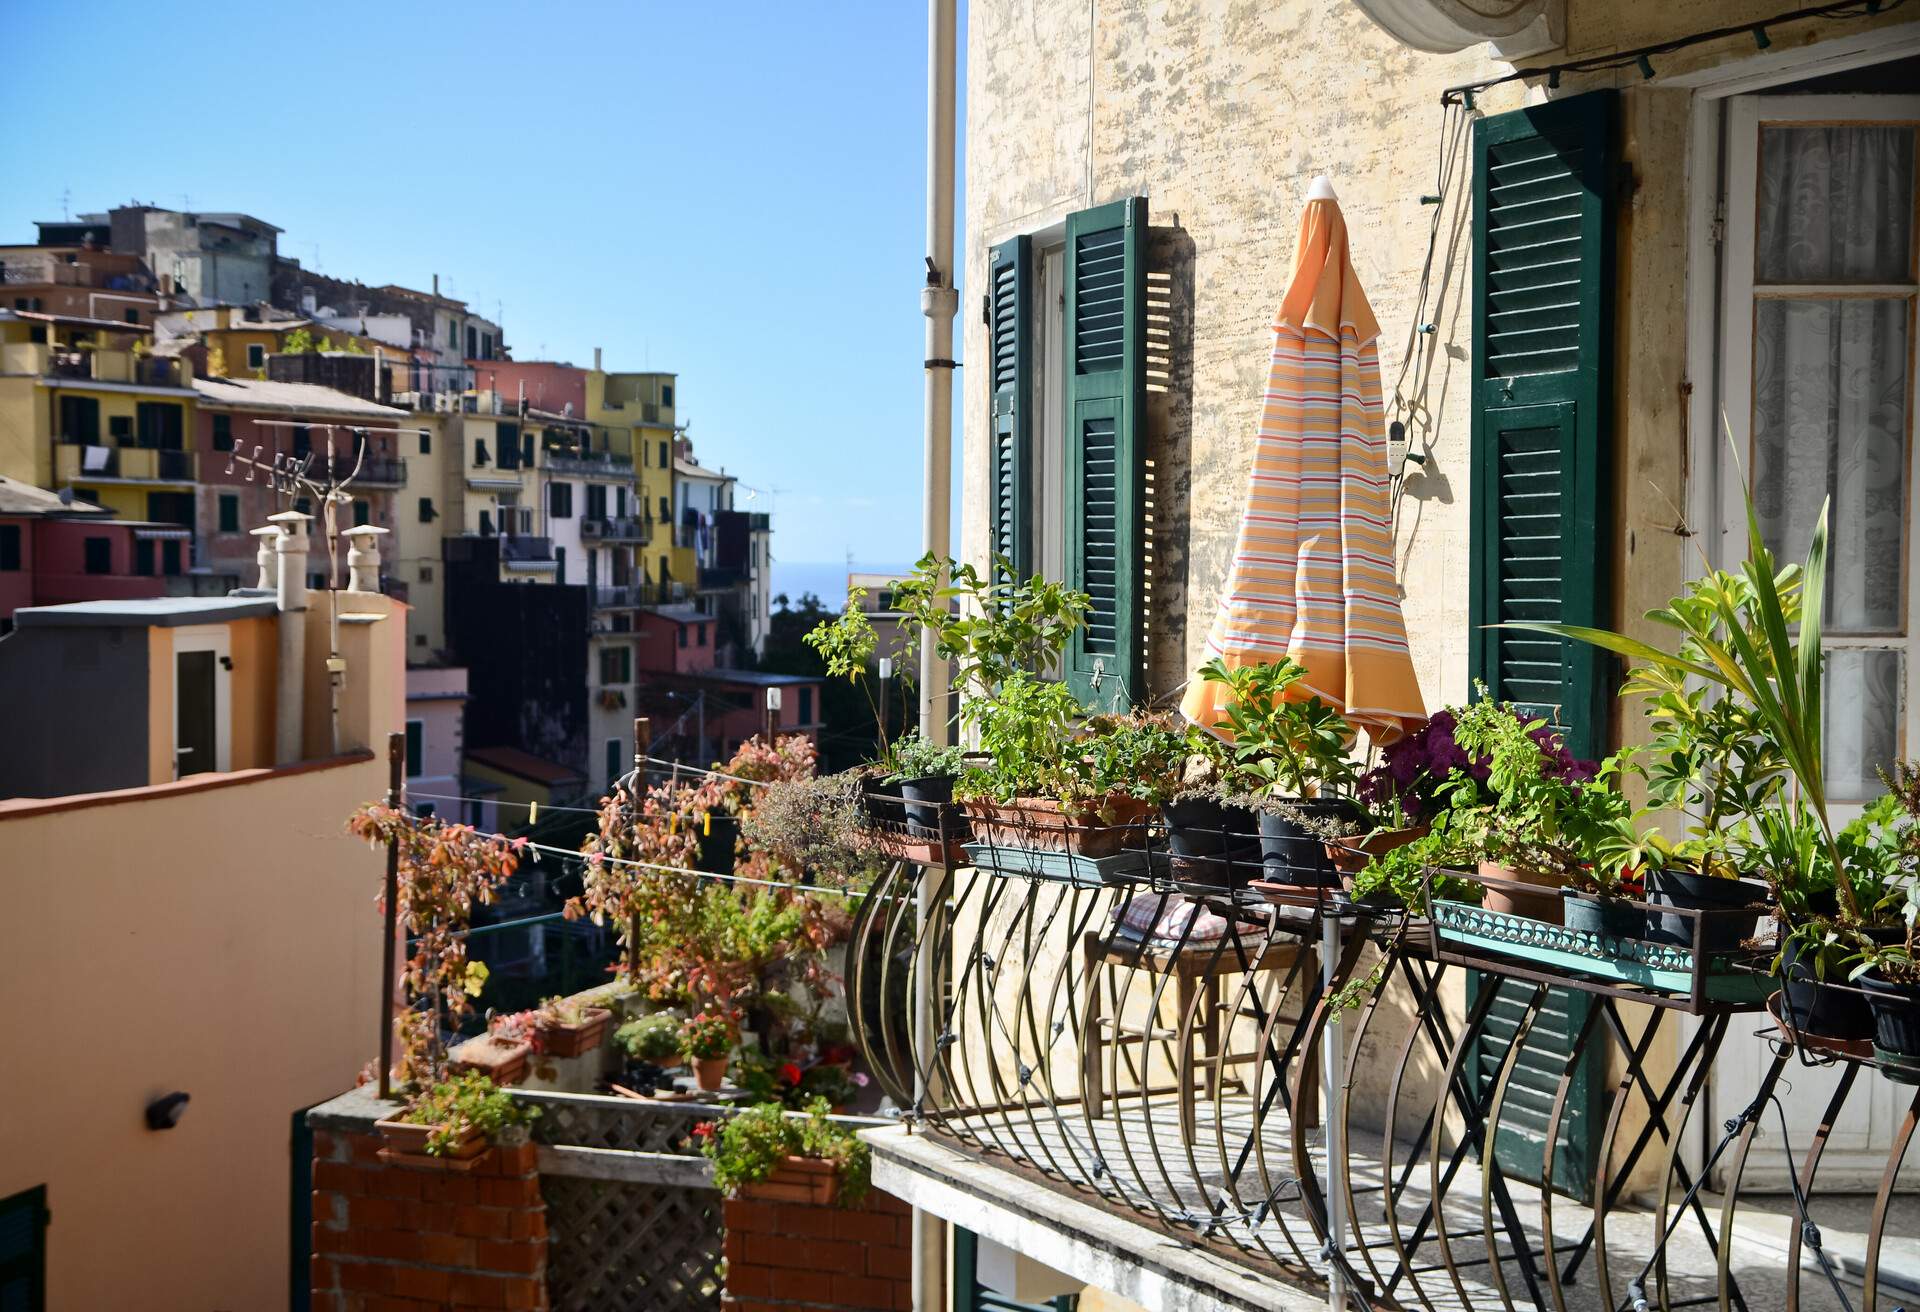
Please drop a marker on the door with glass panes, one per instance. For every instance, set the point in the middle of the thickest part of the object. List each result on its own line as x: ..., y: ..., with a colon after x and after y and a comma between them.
x: 1818, y: 370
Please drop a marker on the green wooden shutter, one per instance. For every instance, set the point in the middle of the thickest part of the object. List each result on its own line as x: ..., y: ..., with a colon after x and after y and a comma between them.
x: 1542, y: 359
x: 1010, y: 331
x: 23, y: 1250
x: 969, y: 1295
x: 1105, y: 344
x: 1541, y: 537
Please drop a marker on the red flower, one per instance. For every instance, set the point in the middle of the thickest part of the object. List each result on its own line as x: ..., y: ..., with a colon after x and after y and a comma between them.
x: 705, y: 1130
x: 790, y: 1073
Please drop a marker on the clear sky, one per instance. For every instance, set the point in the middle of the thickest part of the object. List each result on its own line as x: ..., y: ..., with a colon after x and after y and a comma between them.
x: 732, y: 192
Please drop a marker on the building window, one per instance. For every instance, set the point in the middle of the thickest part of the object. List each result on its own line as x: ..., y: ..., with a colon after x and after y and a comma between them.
x: 426, y: 573
x: 453, y: 334
x: 560, y: 500
x: 132, y: 316
x: 23, y: 1240
x: 806, y: 706
x: 666, y: 512
x: 9, y: 548
x: 616, y: 757
x: 229, y: 512
x: 99, y: 555
x: 596, y: 501
x: 473, y: 343
x: 666, y: 395
x: 302, y: 441
x: 79, y: 419
x: 170, y: 558
x: 616, y: 665
x: 143, y: 561
x: 620, y: 501
x: 120, y: 429
x: 416, y: 746
x: 223, y: 432
x: 683, y: 635
x: 362, y: 512
x: 699, y: 635
x: 665, y: 459
x: 256, y: 356
x: 426, y: 442
x: 427, y: 512
x: 162, y: 425
x: 480, y: 451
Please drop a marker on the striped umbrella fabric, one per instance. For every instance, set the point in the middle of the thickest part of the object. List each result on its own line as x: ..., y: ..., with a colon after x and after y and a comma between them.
x: 1312, y: 575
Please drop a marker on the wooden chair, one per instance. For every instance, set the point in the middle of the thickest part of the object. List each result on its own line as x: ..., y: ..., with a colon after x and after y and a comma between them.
x: 1198, y: 971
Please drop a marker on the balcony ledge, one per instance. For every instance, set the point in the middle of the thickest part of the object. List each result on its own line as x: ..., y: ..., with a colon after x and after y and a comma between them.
x: 1071, y: 1235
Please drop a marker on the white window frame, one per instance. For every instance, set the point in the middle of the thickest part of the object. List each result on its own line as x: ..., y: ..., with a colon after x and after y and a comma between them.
x: 216, y: 639
x: 1746, y: 117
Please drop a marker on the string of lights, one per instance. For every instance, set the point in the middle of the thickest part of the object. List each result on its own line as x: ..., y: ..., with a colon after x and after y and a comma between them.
x: 1642, y: 57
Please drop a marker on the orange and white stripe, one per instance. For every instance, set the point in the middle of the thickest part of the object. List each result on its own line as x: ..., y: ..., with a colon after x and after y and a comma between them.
x: 1312, y: 574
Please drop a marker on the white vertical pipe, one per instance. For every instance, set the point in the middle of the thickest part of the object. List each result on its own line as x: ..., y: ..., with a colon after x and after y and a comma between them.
x: 939, y: 302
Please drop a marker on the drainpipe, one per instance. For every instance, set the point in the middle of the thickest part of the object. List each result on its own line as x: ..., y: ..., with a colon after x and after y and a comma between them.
x: 290, y: 553
x: 939, y: 302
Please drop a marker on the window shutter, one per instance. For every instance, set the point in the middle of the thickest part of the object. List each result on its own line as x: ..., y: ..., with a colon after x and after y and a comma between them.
x: 1542, y: 381
x: 1105, y: 343
x: 1010, y: 329
x: 1542, y: 354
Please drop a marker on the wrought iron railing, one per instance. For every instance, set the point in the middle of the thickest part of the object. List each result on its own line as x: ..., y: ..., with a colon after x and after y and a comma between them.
x: 521, y: 546
x: 623, y: 528
x: 1146, y: 1024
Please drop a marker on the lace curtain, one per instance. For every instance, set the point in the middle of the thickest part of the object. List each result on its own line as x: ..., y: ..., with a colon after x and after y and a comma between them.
x: 1830, y: 423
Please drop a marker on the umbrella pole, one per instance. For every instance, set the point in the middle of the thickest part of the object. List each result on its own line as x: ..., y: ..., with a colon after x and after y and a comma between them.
x: 1330, y: 1066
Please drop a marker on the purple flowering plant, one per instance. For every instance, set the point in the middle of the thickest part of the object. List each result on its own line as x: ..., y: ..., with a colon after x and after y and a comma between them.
x: 1421, y: 773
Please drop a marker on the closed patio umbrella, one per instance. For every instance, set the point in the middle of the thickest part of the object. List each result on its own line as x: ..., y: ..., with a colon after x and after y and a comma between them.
x: 1312, y: 574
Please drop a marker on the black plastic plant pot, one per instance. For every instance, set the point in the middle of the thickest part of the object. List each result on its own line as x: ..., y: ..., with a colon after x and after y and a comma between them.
x: 1720, y: 931
x: 881, y: 798
x: 1813, y: 1006
x: 1895, y: 1007
x: 1603, y: 915
x: 924, y: 798
x: 1290, y: 853
x: 717, y: 842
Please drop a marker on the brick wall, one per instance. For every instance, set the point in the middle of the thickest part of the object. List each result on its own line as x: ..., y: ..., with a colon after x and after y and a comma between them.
x: 796, y: 1257
x: 399, y: 1238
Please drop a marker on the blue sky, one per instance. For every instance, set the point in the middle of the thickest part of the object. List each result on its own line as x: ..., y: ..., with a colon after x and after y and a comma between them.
x: 732, y: 192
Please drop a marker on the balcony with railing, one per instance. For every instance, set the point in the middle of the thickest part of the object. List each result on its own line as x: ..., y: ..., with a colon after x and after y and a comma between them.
x: 1284, y: 1095
x: 113, y: 367
x: 368, y: 471
x: 587, y: 464
x: 524, y: 549
x: 80, y: 462
x: 615, y: 529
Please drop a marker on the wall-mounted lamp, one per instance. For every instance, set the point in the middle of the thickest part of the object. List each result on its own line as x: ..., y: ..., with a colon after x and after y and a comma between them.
x: 226, y: 663
x: 164, y: 1113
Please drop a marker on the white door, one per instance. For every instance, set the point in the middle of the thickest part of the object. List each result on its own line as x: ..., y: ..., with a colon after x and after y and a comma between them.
x: 1818, y: 368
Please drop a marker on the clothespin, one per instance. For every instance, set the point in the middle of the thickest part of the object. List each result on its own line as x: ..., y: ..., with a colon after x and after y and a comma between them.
x: 706, y: 824
x: 533, y: 811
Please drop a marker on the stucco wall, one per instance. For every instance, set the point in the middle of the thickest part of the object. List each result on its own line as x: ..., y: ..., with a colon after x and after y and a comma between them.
x: 237, y: 962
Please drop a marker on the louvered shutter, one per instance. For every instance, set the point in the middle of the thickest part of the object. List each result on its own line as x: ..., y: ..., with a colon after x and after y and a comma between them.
x: 1542, y: 327
x: 1542, y: 362
x: 1106, y: 413
x: 1010, y: 332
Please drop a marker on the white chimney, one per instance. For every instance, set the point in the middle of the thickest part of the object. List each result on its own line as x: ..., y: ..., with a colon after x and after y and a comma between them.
x: 363, y: 558
x: 264, y: 557
x: 596, y: 360
x: 290, y: 552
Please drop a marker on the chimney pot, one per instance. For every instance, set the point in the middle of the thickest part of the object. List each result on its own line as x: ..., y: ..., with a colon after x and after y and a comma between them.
x: 363, y: 558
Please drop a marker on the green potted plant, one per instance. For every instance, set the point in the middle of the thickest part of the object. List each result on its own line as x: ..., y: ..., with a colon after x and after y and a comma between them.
x: 925, y: 773
x: 767, y: 1154
x: 707, y: 1041
x: 567, y: 1027
x: 455, y: 1119
x: 1289, y: 758
x: 654, y: 1037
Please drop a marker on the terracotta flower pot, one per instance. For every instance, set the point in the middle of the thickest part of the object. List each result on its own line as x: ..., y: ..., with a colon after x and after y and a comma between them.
x: 573, y: 1040
x: 504, y: 1061
x: 1044, y: 825
x: 797, y: 1180
x: 410, y: 1139
x: 1545, y: 906
x: 1351, y: 855
x: 710, y: 1073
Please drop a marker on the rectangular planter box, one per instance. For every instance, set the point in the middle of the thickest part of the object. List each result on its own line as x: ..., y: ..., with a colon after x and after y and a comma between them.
x: 1038, y: 825
x: 1603, y: 957
x: 503, y: 1061
x: 409, y: 1140
x: 797, y: 1180
x: 575, y: 1040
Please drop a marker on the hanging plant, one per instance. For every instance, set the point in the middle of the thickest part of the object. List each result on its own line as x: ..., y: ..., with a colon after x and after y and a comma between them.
x: 445, y: 870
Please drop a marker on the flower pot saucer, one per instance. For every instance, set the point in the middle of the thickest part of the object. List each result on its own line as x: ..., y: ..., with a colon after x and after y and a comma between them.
x: 1897, y: 1066
x: 1859, y: 1049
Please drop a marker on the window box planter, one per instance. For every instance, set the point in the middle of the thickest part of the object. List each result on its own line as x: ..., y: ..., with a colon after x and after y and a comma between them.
x: 575, y: 1040
x: 408, y: 1140
x: 1560, y: 948
x: 1129, y: 867
x: 1352, y: 855
x: 1589, y: 914
x: 797, y: 1180
x: 1115, y: 825
x: 504, y: 1061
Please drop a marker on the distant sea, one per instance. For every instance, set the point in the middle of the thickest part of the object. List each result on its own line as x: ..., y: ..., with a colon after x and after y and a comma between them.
x: 826, y: 578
